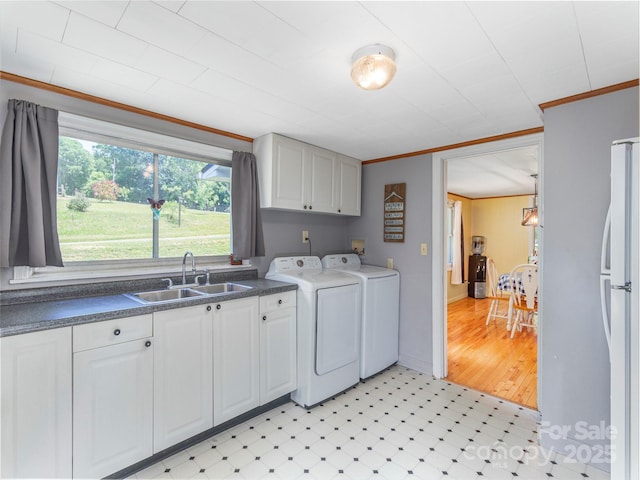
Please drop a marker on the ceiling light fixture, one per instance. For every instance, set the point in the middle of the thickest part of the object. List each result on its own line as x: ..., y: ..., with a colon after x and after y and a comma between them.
x: 530, y: 215
x: 373, y: 66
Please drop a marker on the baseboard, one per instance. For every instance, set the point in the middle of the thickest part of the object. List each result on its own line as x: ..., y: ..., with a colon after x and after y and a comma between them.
x: 456, y: 298
x: 415, y: 363
x: 147, y: 462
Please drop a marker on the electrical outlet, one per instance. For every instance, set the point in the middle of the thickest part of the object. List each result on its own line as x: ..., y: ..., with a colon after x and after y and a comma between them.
x: 389, y: 262
x: 423, y: 249
x: 305, y: 236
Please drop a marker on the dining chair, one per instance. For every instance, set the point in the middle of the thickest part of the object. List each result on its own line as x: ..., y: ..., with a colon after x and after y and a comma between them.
x: 499, y: 307
x: 524, y: 293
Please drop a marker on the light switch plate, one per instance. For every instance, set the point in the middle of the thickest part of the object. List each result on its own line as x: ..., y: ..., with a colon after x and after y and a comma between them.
x: 389, y: 262
x: 423, y: 249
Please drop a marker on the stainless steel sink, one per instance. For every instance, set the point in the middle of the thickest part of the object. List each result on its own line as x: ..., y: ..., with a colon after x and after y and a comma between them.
x: 175, y: 294
x: 217, y: 288
x: 164, y: 295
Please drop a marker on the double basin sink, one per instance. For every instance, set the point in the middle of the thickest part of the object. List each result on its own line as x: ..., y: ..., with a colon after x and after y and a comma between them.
x: 173, y: 294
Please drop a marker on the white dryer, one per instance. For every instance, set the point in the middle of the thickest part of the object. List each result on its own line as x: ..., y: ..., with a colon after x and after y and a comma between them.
x: 380, y: 310
x: 328, y: 327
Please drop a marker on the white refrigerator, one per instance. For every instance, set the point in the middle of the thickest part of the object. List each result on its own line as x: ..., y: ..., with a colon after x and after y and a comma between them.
x: 620, y: 287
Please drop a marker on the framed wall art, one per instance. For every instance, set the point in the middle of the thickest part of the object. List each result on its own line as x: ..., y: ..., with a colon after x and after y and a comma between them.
x: 394, y: 212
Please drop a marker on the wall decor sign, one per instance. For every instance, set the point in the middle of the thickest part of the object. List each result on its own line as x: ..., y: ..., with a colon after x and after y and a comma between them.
x: 394, y: 212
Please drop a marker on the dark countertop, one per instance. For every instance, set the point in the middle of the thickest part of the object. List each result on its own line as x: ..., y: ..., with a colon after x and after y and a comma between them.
x: 28, y: 317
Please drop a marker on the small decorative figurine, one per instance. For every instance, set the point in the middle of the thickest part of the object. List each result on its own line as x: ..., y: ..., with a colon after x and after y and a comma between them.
x: 156, y: 206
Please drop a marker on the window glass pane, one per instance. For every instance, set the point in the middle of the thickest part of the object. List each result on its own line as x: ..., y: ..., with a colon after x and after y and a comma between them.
x: 197, y: 214
x: 104, y: 211
x: 450, y: 234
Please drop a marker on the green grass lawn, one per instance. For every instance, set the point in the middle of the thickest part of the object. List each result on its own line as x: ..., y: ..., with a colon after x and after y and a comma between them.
x: 121, y: 230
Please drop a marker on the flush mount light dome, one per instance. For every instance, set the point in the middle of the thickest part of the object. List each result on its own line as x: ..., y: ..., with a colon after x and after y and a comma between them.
x: 373, y: 66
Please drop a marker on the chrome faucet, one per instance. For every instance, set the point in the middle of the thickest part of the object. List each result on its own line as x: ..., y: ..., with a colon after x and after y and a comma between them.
x: 193, y: 267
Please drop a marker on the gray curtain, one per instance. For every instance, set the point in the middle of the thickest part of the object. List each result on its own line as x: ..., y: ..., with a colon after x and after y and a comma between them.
x: 246, y: 222
x: 28, y: 170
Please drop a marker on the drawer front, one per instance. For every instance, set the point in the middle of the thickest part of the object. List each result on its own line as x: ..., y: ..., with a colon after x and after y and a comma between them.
x: 111, y: 332
x: 269, y: 303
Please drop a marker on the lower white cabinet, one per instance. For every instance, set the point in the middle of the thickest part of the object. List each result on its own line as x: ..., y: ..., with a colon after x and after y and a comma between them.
x: 36, y: 402
x: 112, y: 396
x: 236, y: 367
x: 90, y: 400
x: 183, y: 374
x: 277, y: 345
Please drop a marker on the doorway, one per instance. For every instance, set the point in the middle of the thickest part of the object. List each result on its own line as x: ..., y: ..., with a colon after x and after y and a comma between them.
x: 487, y: 347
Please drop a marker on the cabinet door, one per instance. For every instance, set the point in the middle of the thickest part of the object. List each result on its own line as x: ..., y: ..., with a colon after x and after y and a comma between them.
x: 36, y: 404
x: 322, y: 167
x: 277, y: 353
x: 183, y: 374
x: 349, y: 185
x: 112, y: 407
x: 289, y: 174
x: 236, y: 357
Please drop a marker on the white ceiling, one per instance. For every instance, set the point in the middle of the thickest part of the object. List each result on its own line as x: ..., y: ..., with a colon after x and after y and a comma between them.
x: 496, y: 174
x: 466, y: 70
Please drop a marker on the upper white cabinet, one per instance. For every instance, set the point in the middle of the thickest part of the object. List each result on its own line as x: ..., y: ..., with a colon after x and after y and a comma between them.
x: 36, y: 400
x: 298, y: 176
x: 321, y: 180
x: 282, y: 171
x: 349, y: 175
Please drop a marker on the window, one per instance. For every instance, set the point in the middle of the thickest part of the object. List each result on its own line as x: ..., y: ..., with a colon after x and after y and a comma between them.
x: 450, y: 224
x: 109, y: 180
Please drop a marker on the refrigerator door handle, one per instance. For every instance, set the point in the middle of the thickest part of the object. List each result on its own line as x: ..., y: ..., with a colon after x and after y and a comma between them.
x: 605, y: 315
x: 626, y: 287
x: 606, y: 235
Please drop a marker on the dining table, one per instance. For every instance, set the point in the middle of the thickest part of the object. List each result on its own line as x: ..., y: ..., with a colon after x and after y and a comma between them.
x: 504, y: 282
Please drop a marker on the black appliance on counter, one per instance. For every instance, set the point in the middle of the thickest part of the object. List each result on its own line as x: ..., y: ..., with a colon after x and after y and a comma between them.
x: 477, y: 276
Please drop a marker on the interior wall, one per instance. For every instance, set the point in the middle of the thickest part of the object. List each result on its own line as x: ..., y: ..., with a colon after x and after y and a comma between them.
x: 414, y: 268
x: 498, y: 220
x: 283, y: 235
x: 574, y: 370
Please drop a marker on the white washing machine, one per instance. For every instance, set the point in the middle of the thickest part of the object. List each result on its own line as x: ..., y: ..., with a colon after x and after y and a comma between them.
x: 380, y: 310
x: 328, y: 322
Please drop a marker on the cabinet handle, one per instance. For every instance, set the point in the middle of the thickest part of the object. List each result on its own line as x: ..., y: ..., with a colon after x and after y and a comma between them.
x: 147, y: 343
x: 116, y: 332
x: 264, y: 318
x: 339, y: 211
x: 208, y: 308
x: 218, y: 307
x: 310, y: 207
x: 305, y: 207
x: 280, y: 302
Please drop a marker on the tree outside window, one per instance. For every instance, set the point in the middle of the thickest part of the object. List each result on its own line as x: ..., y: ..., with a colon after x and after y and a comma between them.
x: 118, y: 223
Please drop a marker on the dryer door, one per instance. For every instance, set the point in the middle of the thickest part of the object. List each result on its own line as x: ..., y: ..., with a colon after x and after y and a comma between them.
x: 337, y: 327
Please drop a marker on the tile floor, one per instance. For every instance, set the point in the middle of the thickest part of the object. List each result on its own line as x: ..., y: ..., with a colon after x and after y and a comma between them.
x: 400, y: 424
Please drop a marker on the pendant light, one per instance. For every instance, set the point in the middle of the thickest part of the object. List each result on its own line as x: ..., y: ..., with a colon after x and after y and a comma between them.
x: 530, y: 215
x: 373, y: 66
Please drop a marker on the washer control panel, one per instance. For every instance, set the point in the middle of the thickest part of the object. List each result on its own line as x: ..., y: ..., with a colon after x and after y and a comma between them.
x: 295, y: 264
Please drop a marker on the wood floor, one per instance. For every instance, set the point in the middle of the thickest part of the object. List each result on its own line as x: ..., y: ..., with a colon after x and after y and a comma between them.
x: 485, y: 358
